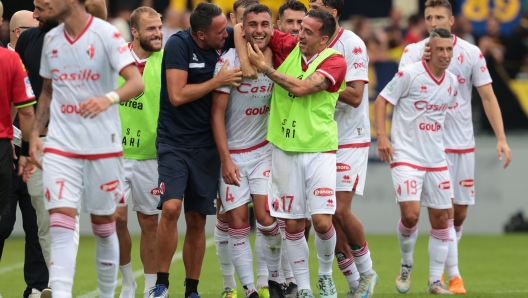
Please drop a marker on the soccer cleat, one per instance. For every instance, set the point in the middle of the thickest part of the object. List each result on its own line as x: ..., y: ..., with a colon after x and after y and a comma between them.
x: 193, y: 295
x: 229, y: 293
x: 46, y: 293
x: 291, y: 291
x: 456, y: 286
x: 264, y: 292
x: 327, y: 287
x: 34, y: 293
x: 253, y: 295
x: 438, y: 288
x: 275, y: 289
x: 158, y: 291
x: 403, y: 281
x: 304, y: 293
x: 366, y: 286
x: 128, y: 291
x: 351, y: 293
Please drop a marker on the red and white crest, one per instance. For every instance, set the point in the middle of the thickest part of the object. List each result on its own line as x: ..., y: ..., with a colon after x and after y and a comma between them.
x: 460, y: 58
x: 90, y: 51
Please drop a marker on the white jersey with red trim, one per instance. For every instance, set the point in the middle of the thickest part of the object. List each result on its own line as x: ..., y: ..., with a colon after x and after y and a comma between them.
x: 420, y: 105
x: 469, y: 66
x: 247, y: 111
x: 85, y: 67
x: 353, y: 124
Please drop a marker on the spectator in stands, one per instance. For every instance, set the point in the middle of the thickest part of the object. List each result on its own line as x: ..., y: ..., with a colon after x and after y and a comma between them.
x: 394, y: 32
x: 491, y: 44
x: 171, y: 23
x: 122, y: 21
x: 416, y: 30
x: 463, y: 28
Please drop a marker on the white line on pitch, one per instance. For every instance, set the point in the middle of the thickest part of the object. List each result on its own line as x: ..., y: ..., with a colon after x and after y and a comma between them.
x: 177, y: 256
x: 11, y: 268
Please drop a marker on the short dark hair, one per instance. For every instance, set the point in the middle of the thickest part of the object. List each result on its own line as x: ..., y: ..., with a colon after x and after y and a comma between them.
x: 338, y: 5
x: 202, y: 16
x: 327, y: 19
x: 440, y: 32
x: 442, y: 3
x: 293, y: 5
x: 243, y: 3
x: 256, y: 8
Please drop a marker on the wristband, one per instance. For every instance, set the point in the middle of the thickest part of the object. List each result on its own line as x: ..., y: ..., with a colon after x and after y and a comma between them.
x: 113, y: 96
x: 24, y: 151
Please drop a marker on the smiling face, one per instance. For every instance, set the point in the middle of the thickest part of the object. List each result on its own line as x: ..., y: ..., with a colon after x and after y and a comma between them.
x: 441, y: 52
x: 290, y: 21
x: 42, y: 15
x: 310, y: 39
x: 258, y: 29
x: 215, y: 36
x: 149, y: 34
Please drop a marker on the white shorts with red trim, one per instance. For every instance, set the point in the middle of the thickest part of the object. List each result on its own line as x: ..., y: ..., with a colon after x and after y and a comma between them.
x: 352, y: 163
x: 67, y: 181
x: 431, y: 188
x: 254, y: 166
x: 462, y: 171
x: 141, y: 185
x: 302, y: 184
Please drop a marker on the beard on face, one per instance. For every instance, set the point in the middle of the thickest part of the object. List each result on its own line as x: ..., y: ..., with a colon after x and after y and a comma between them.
x: 145, y: 44
x: 47, y: 25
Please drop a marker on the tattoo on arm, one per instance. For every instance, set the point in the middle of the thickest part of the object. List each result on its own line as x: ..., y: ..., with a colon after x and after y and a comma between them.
x: 43, y: 107
x: 351, y: 84
x: 318, y: 82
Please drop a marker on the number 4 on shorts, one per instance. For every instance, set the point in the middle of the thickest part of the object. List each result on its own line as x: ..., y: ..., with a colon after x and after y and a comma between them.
x: 229, y: 196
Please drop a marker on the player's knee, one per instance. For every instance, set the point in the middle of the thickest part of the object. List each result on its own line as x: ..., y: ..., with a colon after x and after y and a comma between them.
x: 322, y: 226
x: 148, y: 223
x: 171, y: 210
x: 5, y: 232
x: 341, y: 214
x: 410, y: 219
x: 195, y: 221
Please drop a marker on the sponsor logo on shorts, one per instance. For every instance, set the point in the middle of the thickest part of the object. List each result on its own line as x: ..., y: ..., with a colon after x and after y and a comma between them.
x: 155, y: 191
x: 467, y: 183
x: 266, y: 173
x: 330, y: 203
x: 444, y: 185
x: 342, y: 167
x: 162, y: 188
x: 275, y: 205
x: 346, y: 179
x: 110, y: 186
x: 324, y: 192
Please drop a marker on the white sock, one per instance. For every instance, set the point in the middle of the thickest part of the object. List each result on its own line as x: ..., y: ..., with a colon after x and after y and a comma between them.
x: 438, y: 248
x: 286, y: 268
x: 106, y: 258
x: 458, y: 230
x: 150, y: 281
x: 63, y: 254
x: 127, y: 274
x: 262, y: 268
x: 272, y: 249
x: 325, y: 246
x: 298, y: 254
x: 452, y: 255
x: 407, y: 239
x: 221, y: 237
x: 349, y: 270
x: 242, y: 255
x: 363, y: 260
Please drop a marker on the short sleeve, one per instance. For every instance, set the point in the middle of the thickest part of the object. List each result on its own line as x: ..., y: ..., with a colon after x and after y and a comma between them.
x: 410, y: 56
x: 176, y: 53
x: 333, y: 68
x: 228, y: 56
x: 357, y: 63
x: 480, y: 71
x: 21, y: 91
x: 45, y: 70
x: 396, y: 88
x: 118, y: 51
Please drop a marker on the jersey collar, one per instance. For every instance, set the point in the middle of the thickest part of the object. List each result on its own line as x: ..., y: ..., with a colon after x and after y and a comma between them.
x: 72, y: 41
x: 438, y: 82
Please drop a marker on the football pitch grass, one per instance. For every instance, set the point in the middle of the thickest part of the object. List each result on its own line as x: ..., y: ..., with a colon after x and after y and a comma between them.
x: 492, y: 266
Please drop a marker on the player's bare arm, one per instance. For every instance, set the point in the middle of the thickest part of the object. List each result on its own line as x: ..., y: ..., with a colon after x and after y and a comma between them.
x: 248, y: 69
x: 493, y: 112
x: 181, y: 93
x: 41, y: 119
x: 132, y: 87
x: 97, y: 8
x: 385, y: 150
x: 230, y: 172
x: 353, y: 93
x: 312, y: 84
x: 26, y: 166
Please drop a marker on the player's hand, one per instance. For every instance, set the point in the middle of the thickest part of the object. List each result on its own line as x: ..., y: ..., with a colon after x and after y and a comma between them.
x: 229, y: 77
x: 35, y: 149
x: 249, y: 71
x: 502, y: 147
x: 26, y: 168
x: 95, y: 105
x: 231, y: 173
x: 14, y: 154
x: 427, y: 52
x: 256, y: 57
x: 385, y: 150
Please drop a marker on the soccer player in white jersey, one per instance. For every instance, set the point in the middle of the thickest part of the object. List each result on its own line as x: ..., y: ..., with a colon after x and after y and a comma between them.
x: 470, y: 68
x: 81, y: 60
x: 239, y: 117
x: 352, y: 117
x: 421, y: 94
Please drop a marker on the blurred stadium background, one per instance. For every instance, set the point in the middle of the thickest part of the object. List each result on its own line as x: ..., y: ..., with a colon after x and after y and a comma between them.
x: 498, y: 27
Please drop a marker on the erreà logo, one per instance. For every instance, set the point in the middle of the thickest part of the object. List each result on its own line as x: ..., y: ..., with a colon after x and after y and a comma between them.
x: 342, y: 167
x: 323, y: 192
x: 110, y: 186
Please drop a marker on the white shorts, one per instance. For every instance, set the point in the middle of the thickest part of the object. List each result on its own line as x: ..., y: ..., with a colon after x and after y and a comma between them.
x: 432, y: 188
x: 462, y: 171
x: 98, y: 182
x: 141, y: 185
x: 352, y: 169
x: 301, y: 184
x: 254, y: 167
